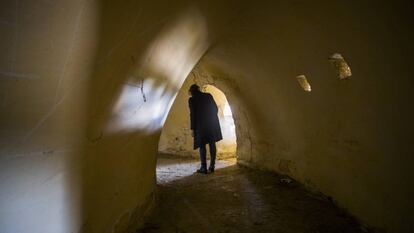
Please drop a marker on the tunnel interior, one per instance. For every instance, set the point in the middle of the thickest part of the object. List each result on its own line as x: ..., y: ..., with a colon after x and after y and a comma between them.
x: 320, y: 94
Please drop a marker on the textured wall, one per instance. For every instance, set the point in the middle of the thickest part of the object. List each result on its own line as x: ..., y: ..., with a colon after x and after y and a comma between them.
x: 85, y: 89
x: 346, y: 138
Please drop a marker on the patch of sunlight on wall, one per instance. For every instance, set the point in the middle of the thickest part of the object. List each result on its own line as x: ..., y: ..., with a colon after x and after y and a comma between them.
x: 229, y: 142
x: 341, y: 66
x: 150, y: 90
x: 134, y: 110
x: 227, y: 110
x: 303, y: 82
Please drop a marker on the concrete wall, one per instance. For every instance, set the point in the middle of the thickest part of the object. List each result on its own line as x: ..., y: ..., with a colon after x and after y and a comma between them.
x: 85, y: 87
x: 44, y: 65
x: 84, y: 93
x: 176, y: 136
x: 346, y: 138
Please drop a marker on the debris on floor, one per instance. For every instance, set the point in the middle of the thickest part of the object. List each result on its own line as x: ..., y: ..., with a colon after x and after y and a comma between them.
x: 286, y: 180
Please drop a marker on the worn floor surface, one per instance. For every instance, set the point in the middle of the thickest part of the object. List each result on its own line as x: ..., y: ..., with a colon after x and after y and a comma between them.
x: 236, y: 199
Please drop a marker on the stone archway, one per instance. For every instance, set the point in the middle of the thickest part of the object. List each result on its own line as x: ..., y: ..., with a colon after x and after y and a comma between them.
x: 177, y: 139
x: 176, y: 136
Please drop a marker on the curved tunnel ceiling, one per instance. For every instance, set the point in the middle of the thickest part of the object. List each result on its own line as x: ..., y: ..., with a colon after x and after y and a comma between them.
x: 67, y: 64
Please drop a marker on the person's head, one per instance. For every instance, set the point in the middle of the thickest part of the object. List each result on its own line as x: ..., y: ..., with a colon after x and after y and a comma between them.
x: 194, y: 89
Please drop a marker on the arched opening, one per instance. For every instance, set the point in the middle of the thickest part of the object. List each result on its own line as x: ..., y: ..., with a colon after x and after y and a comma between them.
x: 176, y: 156
x: 227, y: 146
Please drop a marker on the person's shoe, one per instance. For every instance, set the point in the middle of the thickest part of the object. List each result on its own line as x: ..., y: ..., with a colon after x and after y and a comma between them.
x: 202, y: 170
x: 211, y: 169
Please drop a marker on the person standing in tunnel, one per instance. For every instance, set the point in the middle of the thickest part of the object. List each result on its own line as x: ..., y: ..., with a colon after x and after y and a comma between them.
x: 205, y: 126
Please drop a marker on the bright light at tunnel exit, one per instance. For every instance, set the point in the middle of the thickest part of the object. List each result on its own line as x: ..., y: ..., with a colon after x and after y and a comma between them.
x: 229, y: 142
x: 227, y: 110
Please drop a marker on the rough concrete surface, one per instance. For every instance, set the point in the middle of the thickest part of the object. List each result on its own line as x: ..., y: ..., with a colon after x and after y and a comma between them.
x: 238, y: 199
x: 171, y: 168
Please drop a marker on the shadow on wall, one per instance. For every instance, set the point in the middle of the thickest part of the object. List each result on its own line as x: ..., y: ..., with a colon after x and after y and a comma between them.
x: 176, y: 136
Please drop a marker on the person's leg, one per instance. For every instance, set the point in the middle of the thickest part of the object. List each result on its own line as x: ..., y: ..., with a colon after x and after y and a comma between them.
x: 213, y: 152
x: 203, y: 161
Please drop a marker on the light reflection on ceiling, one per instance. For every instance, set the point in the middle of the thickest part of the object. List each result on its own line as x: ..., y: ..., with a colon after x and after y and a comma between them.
x: 148, y: 94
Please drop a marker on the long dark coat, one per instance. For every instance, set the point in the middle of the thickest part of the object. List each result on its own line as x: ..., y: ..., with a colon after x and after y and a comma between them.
x: 204, y: 120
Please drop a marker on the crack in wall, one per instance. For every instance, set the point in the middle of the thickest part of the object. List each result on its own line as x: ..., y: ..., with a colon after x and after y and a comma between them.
x: 17, y: 76
x: 70, y: 49
x: 142, y: 91
x: 45, y: 117
x: 95, y: 139
x: 16, y: 34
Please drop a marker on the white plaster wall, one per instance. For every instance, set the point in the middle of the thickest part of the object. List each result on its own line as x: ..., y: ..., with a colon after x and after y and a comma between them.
x: 82, y: 103
x: 47, y: 54
x: 346, y: 138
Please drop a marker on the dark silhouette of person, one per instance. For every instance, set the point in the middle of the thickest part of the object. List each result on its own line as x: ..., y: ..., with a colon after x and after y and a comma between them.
x: 205, y: 125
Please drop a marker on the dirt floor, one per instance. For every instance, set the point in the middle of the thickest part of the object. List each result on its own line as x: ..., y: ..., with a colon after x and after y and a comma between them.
x: 236, y: 199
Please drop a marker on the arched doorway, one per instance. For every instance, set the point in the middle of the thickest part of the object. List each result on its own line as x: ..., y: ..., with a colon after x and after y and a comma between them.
x: 227, y: 146
x: 176, y: 156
